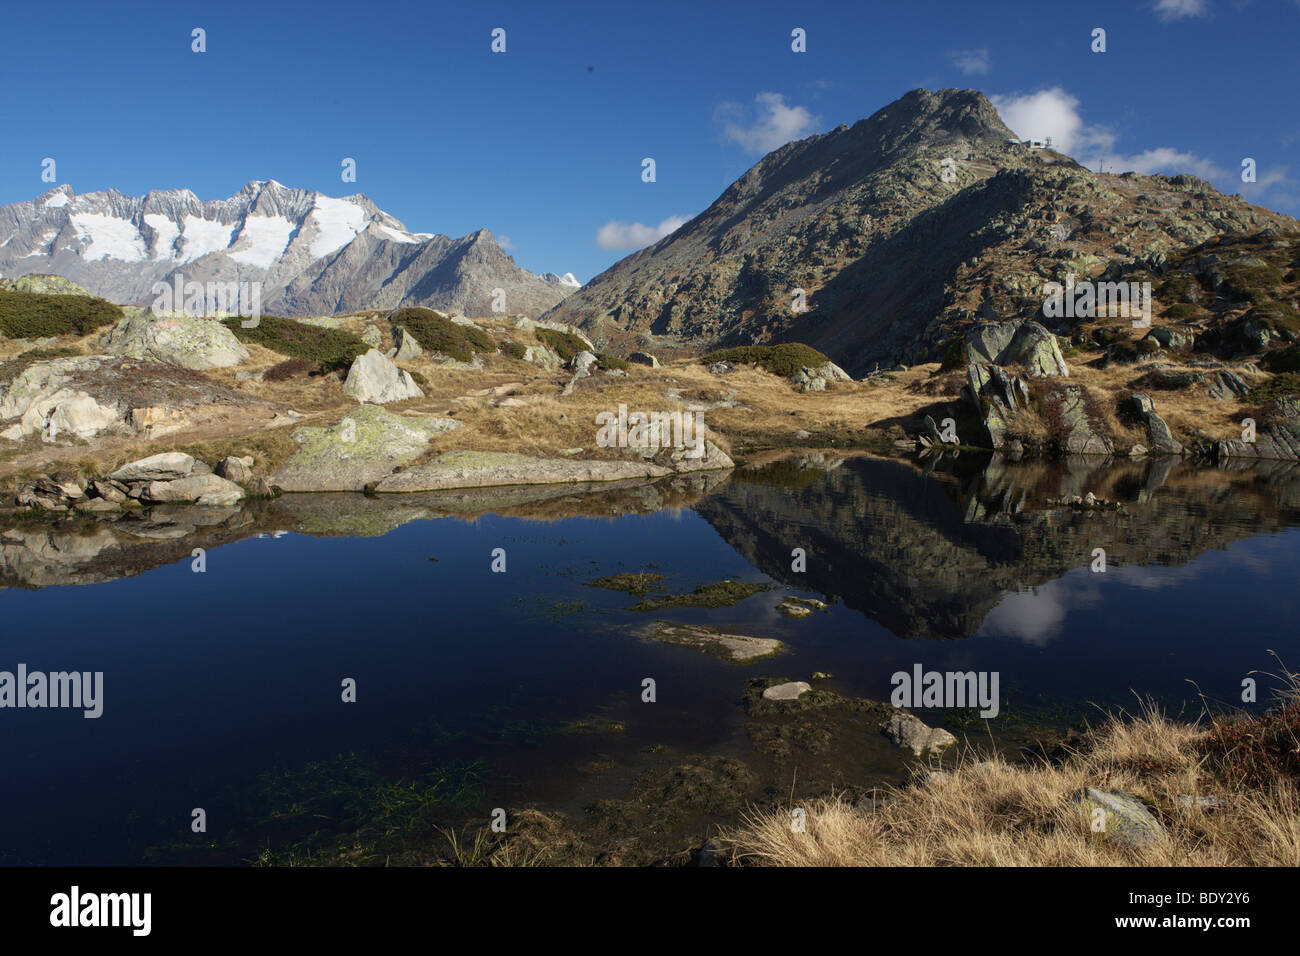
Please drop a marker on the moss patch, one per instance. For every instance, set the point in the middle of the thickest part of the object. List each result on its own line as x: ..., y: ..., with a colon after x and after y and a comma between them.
x: 718, y: 594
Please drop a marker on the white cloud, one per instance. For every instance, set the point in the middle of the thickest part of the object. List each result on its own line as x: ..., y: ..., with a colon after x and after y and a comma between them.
x: 1054, y: 112
x: 635, y: 235
x: 972, y: 62
x: 505, y: 242
x: 1179, y: 9
x: 771, y: 126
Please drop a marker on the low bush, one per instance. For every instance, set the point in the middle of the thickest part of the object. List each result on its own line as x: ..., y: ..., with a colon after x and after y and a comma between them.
x: 564, y: 344
x: 784, y: 360
x: 437, y: 333
x: 289, y: 368
x: 330, y: 349
x: 31, y: 315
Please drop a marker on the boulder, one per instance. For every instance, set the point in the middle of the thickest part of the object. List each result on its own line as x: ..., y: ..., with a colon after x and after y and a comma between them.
x: 234, y: 469
x: 176, y: 339
x: 196, y: 489
x: 541, y: 356
x: 1162, y: 439
x: 526, y: 324
x: 583, y: 362
x: 1016, y: 343
x: 407, y: 347
x: 372, y: 336
x: 361, y: 449
x: 167, y: 466
x: 910, y: 732
x: 643, y: 358
x: 996, y: 394
x: 787, y: 691
x: 374, y: 379
x: 1078, y: 434
x: 1128, y: 822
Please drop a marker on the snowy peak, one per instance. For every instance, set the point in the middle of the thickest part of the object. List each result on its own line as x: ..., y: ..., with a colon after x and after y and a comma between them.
x: 319, y: 253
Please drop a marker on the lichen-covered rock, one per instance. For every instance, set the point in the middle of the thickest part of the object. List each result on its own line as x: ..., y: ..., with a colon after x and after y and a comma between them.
x: 176, y: 339
x: 996, y: 394
x: 1016, y: 343
x: 234, y: 469
x: 407, y: 347
x: 361, y: 449
x: 543, y: 357
x: 1125, y: 820
x: 1079, y: 436
x: 374, y: 379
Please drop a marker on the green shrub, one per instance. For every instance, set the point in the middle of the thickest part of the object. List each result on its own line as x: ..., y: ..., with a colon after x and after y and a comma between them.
x: 1287, y: 383
x: 607, y: 361
x: 512, y: 349
x: 437, y: 333
x: 330, y: 349
x: 784, y: 360
x: 564, y: 344
x: 1183, y: 310
x: 954, y: 356
x: 30, y: 315
x: 288, y: 369
x: 420, y: 380
x: 1283, y: 360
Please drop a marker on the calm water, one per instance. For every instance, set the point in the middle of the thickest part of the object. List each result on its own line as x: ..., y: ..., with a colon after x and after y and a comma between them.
x: 213, y: 680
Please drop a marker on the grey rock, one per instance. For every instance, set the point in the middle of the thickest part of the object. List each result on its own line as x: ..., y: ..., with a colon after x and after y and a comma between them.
x: 374, y: 379
x: 197, y: 489
x: 363, y: 448
x: 166, y: 466
x: 1128, y: 822
x: 643, y: 358
x: 234, y: 469
x: 176, y: 339
x: 407, y: 347
x: 909, y: 732
x: 791, y: 690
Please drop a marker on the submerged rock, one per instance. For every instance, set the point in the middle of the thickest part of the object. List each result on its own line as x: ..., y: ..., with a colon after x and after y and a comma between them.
x: 733, y: 647
x: 480, y: 469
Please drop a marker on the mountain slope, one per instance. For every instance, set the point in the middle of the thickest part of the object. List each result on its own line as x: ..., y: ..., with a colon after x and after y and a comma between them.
x: 893, y: 259
x: 314, y: 254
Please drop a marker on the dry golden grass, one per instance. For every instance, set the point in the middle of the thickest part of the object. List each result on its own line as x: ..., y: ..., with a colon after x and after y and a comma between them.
x: 996, y: 813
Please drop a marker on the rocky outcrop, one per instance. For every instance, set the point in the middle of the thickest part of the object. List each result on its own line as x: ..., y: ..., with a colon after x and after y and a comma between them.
x: 997, y: 395
x: 176, y: 339
x: 1027, y: 344
x: 405, y: 345
x: 1077, y: 433
x: 1277, y: 438
x: 1162, y: 439
x: 374, y: 379
x: 360, y: 450
x: 195, y: 489
x: 167, y: 466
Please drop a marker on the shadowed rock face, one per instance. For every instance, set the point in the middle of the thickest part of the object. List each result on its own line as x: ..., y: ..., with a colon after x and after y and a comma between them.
x: 930, y: 555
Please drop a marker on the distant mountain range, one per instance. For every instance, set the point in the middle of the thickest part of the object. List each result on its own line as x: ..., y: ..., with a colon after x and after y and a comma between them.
x: 314, y: 254
x: 901, y: 230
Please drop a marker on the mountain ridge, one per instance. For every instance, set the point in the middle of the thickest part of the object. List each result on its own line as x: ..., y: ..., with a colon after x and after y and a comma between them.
x: 314, y: 254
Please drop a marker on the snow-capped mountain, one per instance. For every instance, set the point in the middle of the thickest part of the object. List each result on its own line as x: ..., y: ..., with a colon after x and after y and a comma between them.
x: 313, y: 254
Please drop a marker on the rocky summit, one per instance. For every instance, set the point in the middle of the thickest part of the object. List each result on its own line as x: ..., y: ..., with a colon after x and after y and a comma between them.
x: 879, y: 243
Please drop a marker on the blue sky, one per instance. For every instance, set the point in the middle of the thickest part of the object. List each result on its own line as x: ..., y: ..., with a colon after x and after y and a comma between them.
x: 543, y: 144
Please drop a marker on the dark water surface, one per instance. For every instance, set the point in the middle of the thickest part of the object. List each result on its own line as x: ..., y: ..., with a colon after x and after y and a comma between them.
x: 214, y: 681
